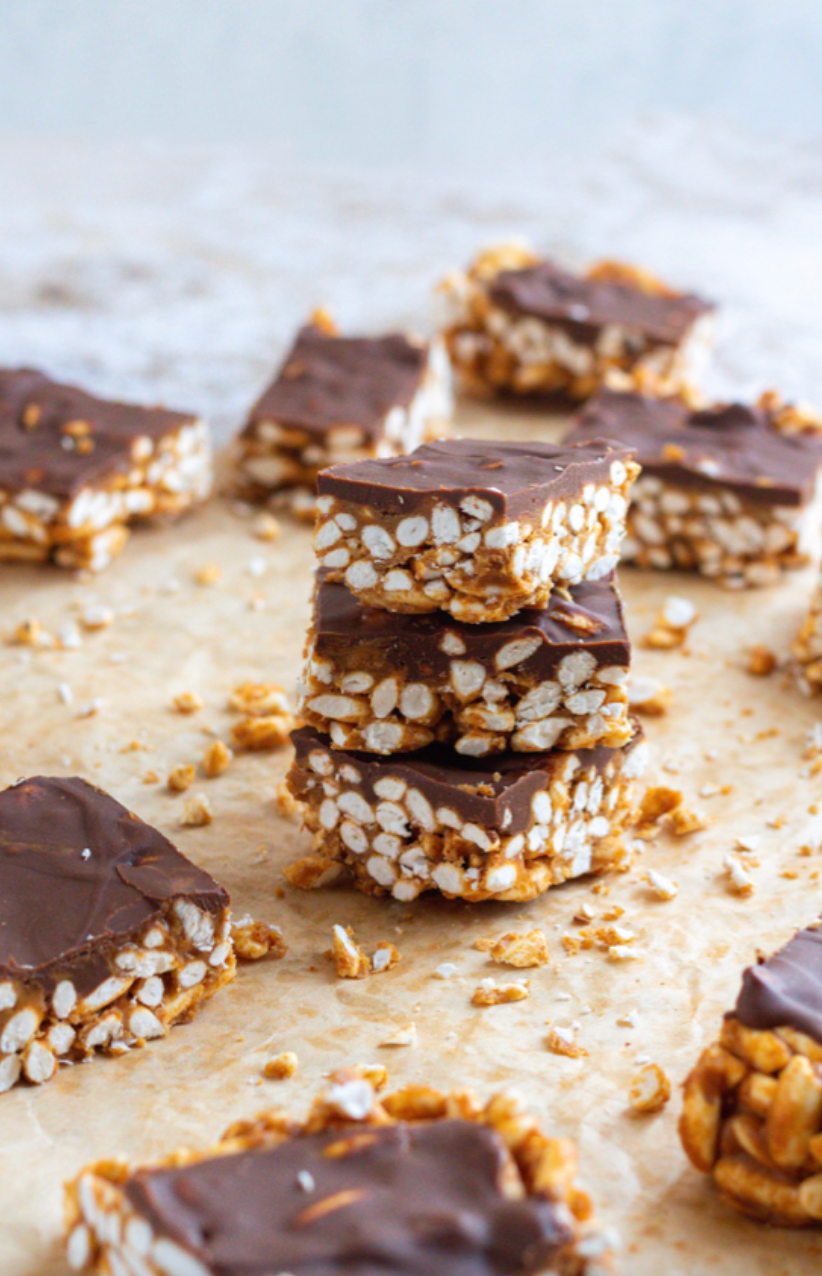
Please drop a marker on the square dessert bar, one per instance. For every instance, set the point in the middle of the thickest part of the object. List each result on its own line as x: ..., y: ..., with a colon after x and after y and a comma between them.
x: 341, y: 399
x: 476, y: 529
x: 516, y: 324
x: 108, y: 935
x: 752, y: 1112
x: 75, y: 470
x: 419, y: 1182
x: 729, y: 491
x: 504, y: 827
x: 384, y: 682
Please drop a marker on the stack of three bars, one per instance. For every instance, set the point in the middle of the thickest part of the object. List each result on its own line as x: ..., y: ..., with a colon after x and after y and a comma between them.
x: 465, y: 676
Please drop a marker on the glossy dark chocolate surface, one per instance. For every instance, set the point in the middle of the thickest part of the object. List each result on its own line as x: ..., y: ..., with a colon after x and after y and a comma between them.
x: 36, y: 450
x: 328, y: 381
x: 729, y: 445
x: 346, y: 628
x: 785, y: 991
x: 494, y: 792
x: 419, y: 1199
x: 79, y: 876
x: 514, y: 478
x: 583, y: 306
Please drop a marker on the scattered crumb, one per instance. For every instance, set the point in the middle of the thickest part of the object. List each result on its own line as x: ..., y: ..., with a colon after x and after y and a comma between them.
x: 258, y: 699
x: 27, y: 634
x: 748, y: 842
x: 406, y: 1036
x: 281, y: 1066
x: 257, y: 565
x: 629, y: 1020
x: 187, y: 702
x: 650, y: 1089
x: 182, y: 778
x: 217, y: 759
x: 266, y: 528
x: 96, y: 616
x: 151, y: 777
x: 646, y: 695
x: 64, y: 693
x: 255, y: 940
x: 585, y: 912
x: 739, y: 879
x: 68, y: 637
x: 263, y: 733
x: 489, y: 993
x: 613, y: 936
x: 91, y: 709
x: 672, y: 623
x: 761, y: 661
x: 350, y: 962
x: 196, y: 811
x: 385, y: 957
x: 661, y: 886
x: 684, y: 820
x: 521, y: 950
x: 446, y: 970
x: 623, y: 952
x: 209, y: 574
x: 564, y: 1041
x: 657, y: 802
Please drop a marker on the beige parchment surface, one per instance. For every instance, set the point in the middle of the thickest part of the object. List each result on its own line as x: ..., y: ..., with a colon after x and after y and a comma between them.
x: 169, y: 635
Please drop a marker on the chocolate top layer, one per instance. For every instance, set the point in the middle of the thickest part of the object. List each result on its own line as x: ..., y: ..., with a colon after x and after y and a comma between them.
x: 412, y: 1199
x: 79, y: 876
x: 729, y: 445
x: 785, y: 991
x: 44, y: 444
x: 327, y: 381
x: 494, y: 792
x: 585, y: 305
x: 593, y: 621
x: 514, y: 478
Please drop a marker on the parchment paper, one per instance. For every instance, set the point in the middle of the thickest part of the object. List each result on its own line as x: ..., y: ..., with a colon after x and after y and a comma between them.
x: 171, y: 635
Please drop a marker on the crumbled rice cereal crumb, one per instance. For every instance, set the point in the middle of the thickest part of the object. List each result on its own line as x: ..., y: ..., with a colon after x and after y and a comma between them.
x: 181, y: 778
x: 650, y: 1089
x: 564, y: 1041
x: 217, y: 759
x: 489, y: 993
x: 281, y: 1066
x: 196, y: 811
x: 406, y: 1036
x: 515, y: 949
x: 187, y: 702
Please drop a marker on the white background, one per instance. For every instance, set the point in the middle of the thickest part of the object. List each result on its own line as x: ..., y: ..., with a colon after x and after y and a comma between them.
x: 424, y: 82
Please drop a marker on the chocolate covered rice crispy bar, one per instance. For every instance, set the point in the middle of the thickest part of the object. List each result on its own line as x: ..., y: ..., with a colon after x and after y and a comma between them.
x: 75, y: 470
x: 338, y: 399
x: 479, y: 530
x: 752, y: 1112
x: 730, y: 491
x: 516, y: 324
x: 505, y: 828
x: 108, y: 935
x: 384, y: 682
x: 417, y: 1181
